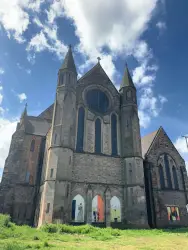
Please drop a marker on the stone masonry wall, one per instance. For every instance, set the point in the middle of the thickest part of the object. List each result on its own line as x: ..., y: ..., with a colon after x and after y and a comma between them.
x: 91, y: 168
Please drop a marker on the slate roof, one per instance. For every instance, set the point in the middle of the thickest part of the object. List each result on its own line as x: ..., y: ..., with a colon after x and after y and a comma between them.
x: 127, y: 79
x: 146, y: 142
x: 69, y: 62
x: 47, y: 113
x: 37, y: 126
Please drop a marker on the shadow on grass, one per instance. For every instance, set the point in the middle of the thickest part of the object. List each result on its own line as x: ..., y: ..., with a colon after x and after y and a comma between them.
x: 176, y: 230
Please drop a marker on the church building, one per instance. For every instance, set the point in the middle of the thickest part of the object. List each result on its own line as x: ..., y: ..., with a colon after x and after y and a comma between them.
x: 83, y: 160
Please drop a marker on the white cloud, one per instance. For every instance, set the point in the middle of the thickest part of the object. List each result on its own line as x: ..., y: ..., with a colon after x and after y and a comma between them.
x: 1, y: 98
x: 161, y: 25
x: 28, y: 71
x: 38, y: 43
x: 180, y: 145
x: 48, y: 40
x: 103, y: 23
x: 22, y: 97
x: 145, y: 119
x: 37, y: 21
x: 7, y: 128
x: 14, y: 16
x: 149, y: 106
x: 116, y: 25
x: 2, y: 71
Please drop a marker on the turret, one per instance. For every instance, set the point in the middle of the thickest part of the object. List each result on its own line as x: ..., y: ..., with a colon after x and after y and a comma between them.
x: 130, y: 128
x: 135, y: 208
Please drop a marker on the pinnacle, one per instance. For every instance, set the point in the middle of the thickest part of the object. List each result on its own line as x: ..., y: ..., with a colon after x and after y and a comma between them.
x: 68, y: 63
x: 127, y: 79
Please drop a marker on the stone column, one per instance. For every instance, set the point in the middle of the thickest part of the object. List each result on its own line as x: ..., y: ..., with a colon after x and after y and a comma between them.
x: 89, y: 206
x: 107, y: 207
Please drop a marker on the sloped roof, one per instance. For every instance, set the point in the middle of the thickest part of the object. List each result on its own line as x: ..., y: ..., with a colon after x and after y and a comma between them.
x: 146, y: 142
x: 69, y: 62
x: 47, y: 113
x: 94, y: 73
x: 127, y: 79
x: 37, y: 126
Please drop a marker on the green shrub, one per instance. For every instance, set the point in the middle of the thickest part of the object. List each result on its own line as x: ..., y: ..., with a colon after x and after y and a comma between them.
x: 12, y: 246
x: 49, y: 228
x: 4, y: 220
x: 46, y: 244
x: 35, y: 238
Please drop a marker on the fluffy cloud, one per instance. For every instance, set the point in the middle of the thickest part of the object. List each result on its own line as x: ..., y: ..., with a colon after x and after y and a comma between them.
x: 2, y: 71
x: 161, y: 25
x: 102, y: 23
x: 149, y: 106
x: 144, y: 77
x: 48, y: 40
x: 22, y: 97
x: 116, y: 25
x: 7, y: 128
x: 181, y: 146
x: 14, y: 16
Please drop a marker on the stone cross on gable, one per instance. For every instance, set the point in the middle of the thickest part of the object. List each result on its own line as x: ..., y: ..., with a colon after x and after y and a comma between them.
x: 98, y: 59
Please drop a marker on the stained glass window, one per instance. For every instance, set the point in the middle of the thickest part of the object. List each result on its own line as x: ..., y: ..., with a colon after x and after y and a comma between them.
x: 176, y: 185
x: 98, y: 136
x: 161, y: 175
x: 114, y: 134
x: 97, y: 100
x: 80, y: 130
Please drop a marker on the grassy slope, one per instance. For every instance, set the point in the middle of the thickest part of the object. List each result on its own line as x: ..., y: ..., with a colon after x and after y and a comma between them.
x: 53, y: 237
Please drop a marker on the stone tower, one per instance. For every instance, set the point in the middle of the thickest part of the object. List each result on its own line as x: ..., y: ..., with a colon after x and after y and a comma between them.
x: 131, y: 153
x: 55, y: 203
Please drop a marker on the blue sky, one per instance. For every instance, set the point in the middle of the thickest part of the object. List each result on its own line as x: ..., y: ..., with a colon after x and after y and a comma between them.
x: 150, y: 35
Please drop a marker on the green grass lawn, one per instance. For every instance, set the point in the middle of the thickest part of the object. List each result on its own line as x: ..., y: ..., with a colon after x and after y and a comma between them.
x: 53, y: 237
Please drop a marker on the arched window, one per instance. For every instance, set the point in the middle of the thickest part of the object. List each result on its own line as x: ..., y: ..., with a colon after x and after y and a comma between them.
x: 98, y: 136
x: 167, y: 168
x: 32, y: 147
x: 182, y: 177
x: 97, y: 209
x: 114, y: 134
x: 78, y: 205
x: 161, y: 176
x: 129, y: 95
x: 115, y: 210
x: 80, y: 130
x: 176, y: 185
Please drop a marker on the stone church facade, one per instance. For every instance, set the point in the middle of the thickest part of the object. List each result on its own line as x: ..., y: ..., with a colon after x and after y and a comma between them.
x: 83, y: 160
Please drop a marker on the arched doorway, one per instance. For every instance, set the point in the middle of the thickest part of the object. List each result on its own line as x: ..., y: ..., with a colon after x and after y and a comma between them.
x: 115, y: 209
x: 78, y: 205
x: 97, y: 209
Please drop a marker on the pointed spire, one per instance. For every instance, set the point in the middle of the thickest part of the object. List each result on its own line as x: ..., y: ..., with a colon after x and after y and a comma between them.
x: 69, y: 61
x: 127, y: 79
x: 24, y: 114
